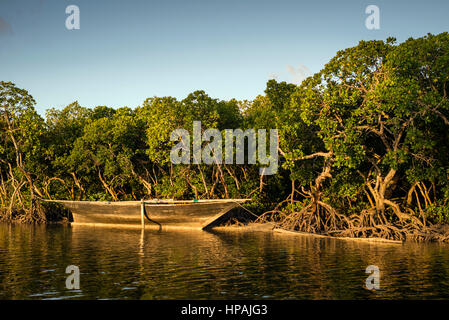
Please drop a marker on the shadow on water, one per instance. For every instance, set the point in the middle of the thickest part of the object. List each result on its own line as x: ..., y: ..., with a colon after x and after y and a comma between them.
x: 129, y: 264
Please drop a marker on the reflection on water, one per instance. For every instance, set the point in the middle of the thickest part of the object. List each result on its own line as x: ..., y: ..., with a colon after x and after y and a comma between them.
x: 129, y: 264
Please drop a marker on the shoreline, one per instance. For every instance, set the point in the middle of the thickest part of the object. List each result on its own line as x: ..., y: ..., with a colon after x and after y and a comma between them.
x: 250, y: 227
x: 233, y: 227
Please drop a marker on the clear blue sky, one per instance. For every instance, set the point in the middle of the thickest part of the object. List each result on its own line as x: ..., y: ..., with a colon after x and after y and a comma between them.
x: 127, y: 51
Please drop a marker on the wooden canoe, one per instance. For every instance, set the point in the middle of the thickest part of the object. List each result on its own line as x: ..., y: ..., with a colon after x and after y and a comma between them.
x: 197, y: 214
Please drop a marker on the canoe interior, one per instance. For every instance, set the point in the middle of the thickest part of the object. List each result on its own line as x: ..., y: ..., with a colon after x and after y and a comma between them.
x: 189, y: 214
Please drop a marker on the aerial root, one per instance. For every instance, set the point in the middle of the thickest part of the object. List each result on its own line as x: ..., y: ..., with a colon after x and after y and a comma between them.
x: 321, y: 218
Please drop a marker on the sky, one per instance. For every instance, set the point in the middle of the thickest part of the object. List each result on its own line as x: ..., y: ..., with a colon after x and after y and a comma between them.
x: 127, y: 51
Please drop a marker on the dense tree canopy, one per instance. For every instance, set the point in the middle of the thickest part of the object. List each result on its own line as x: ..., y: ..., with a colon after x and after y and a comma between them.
x: 363, y: 146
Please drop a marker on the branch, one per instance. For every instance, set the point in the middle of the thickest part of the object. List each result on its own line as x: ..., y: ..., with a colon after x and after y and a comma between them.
x: 310, y: 156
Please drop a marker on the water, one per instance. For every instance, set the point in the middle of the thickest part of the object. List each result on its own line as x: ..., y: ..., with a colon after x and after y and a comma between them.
x: 129, y: 264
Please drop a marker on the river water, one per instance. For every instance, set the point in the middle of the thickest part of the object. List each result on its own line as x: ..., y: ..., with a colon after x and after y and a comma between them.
x: 130, y: 264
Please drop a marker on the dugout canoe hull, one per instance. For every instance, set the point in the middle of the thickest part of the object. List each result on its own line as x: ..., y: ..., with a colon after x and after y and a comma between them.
x: 200, y: 214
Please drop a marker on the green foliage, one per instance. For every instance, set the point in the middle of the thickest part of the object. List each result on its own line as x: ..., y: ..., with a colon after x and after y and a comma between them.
x: 356, y: 136
x: 437, y: 213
